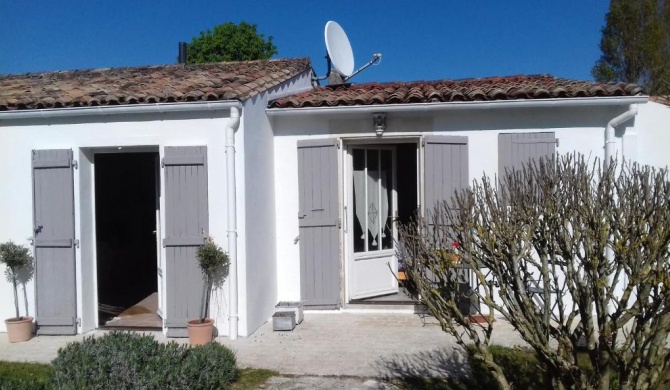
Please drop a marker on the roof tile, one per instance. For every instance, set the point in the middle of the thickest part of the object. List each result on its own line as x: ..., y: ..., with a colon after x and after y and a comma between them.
x: 483, y: 89
x: 148, y: 84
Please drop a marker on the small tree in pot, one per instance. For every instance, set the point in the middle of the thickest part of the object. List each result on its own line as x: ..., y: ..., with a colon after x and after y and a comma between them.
x: 19, y: 270
x: 213, y: 262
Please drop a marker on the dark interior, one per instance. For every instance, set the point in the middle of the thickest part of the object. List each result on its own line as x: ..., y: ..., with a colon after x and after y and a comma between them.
x: 407, y: 181
x: 125, y: 212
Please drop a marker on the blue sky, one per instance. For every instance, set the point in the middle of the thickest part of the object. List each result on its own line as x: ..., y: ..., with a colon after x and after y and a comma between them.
x: 419, y: 40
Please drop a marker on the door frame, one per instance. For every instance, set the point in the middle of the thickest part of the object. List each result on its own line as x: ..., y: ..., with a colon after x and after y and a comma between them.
x: 79, y: 216
x: 346, y: 209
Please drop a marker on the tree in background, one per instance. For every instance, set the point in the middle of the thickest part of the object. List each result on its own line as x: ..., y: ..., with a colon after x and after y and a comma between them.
x: 230, y: 42
x: 571, y: 254
x: 635, y: 45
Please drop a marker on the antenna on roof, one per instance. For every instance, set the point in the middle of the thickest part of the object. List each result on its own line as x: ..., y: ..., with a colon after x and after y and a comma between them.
x: 181, y: 59
x: 340, y: 56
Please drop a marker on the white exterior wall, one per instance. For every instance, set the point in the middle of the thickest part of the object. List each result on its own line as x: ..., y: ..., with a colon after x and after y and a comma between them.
x: 256, y: 196
x: 652, y: 139
x: 82, y: 134
x: 578, y: 129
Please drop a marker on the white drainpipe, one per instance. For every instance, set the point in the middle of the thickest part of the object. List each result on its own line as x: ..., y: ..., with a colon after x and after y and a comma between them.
x: 609, y: 131
x: 233, y: 125
x: 609, y: 154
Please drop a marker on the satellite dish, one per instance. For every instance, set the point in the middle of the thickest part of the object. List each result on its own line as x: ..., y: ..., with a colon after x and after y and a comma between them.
x: 339, y: 49
x: 340, y: 56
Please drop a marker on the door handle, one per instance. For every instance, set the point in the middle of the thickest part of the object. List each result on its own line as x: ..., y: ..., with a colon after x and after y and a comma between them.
x: 346, y: 220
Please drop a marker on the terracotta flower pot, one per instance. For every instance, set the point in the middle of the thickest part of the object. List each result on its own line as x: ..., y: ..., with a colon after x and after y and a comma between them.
x: 200, y: 334
x: 19, y: 330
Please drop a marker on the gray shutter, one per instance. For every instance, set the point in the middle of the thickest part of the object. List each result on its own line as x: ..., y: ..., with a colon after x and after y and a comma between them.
x: 515, y: 149
x: 319, y: 223
x: 446, y: 168
x: 186, y: 225
x: 53, y: 224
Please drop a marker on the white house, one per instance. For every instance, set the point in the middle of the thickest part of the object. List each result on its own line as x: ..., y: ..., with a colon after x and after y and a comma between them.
x: 305, y: 206
x: 116, y: 175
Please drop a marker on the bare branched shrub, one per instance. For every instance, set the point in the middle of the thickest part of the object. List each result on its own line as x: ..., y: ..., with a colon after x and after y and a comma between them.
x: 570, y: 253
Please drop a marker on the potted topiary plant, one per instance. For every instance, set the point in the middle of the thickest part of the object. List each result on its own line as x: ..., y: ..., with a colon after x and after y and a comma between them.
x: 19, y: 269
x: 213, y: 263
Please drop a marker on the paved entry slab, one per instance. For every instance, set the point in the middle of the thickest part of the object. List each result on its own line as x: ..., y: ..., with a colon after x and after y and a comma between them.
x: 359, y: 344
x: 377, y: 345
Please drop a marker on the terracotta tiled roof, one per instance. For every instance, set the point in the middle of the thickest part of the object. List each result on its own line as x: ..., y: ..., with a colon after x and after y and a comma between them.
x: 665, y: 100
x: 485, y: 89
x: 148, y: 84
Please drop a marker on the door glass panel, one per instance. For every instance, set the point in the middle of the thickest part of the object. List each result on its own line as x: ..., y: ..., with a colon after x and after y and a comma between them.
x: 373, y: 204
x: 373, y: 199
x: 359, y: 196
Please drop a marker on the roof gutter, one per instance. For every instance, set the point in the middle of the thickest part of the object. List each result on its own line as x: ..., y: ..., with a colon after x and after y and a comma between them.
x: 443, y: 106
x: 152, y: 108
x: 609, y: 132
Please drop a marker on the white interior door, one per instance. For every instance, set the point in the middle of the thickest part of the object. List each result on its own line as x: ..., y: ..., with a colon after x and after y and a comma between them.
x: 371, y: 232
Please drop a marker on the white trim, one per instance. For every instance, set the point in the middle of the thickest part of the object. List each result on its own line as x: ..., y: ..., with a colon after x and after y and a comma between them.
x: 154, y: 108
x: 422, y: 107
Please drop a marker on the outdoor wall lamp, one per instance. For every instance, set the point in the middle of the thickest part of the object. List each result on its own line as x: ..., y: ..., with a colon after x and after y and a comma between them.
x: 379, y: 123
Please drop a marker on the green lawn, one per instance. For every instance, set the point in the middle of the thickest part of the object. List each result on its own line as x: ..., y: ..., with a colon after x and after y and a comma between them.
x: 33, y: 375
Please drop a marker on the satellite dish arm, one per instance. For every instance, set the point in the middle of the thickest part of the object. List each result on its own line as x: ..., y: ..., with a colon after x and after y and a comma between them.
x: 330, y: 65
x: 376, y: 58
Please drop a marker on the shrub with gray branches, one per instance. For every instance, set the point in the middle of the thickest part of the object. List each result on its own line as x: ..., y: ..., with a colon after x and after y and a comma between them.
x: 572, y: 253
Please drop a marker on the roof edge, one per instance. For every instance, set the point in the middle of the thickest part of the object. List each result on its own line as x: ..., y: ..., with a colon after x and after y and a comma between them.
x: 444, y: 106
x: 151, y: 108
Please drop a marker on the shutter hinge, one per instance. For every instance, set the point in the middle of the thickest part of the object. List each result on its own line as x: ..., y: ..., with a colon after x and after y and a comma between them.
x: 339, y: 223
x: 162, y: 163
x: 557, y: 143
x: 75, y: 164
x: 78, y: 321
x: 76, y: 243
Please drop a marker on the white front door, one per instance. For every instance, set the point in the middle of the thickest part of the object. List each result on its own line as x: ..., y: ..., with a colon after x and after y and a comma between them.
x: 371, y: 232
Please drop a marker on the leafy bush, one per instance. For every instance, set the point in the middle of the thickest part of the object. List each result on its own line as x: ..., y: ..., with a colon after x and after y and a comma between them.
x: 121, y: 360
x: 213, y: 263
x: 19, y: 270
x: 209, y: 366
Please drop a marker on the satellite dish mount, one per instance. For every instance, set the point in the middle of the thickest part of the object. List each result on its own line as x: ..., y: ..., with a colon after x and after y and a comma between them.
x: 340, y: 56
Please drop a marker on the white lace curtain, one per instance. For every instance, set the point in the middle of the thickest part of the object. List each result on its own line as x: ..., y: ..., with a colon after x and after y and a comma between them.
x: 375, y: 212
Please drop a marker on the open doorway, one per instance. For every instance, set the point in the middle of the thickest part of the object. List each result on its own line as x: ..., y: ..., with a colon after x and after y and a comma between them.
x: 126, y: 220
x: 383, y: 193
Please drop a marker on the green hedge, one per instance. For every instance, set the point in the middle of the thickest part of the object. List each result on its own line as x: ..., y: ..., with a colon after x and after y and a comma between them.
x: 523, y: 370
x: 122, y: 360
x: 520, y: 366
